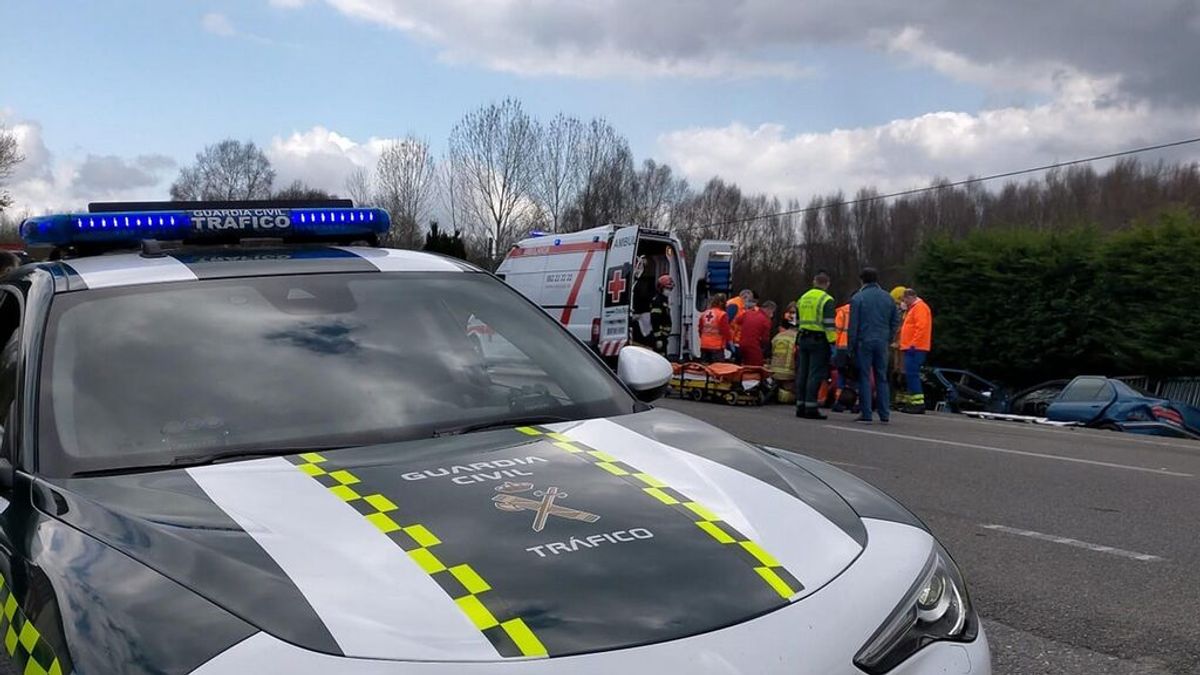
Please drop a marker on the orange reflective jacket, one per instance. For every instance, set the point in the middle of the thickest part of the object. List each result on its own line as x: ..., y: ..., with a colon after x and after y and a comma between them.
x: 736, y: 329
x: 841, y: 323
x: 714, y: 329
x: 917, y: 329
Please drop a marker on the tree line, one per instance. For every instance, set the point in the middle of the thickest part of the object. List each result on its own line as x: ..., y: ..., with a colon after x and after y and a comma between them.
x: 504, y: 173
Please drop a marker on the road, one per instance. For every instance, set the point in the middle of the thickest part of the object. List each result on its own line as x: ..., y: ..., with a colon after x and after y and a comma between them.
x: 1081, y: 548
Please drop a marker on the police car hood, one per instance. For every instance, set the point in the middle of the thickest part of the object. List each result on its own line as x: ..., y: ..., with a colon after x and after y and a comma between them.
x: 514, y: 543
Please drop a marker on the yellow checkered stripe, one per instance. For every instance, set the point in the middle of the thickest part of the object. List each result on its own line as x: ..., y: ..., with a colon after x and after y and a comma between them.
x: 23, y: 641
x: 511, y: 636
x: 765, y: 565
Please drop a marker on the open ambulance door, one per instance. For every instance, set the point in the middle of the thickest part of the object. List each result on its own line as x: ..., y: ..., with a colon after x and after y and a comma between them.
x: 712, y: 273
x: 618, y: 292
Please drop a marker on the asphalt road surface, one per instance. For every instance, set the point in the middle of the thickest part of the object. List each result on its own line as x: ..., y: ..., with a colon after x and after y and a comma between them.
x: 1081, y: 548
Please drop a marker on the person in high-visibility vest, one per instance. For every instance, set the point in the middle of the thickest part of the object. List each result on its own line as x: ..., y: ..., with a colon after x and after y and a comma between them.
x: 713, y: 325
x: 736, y: 306
x: 815, y: 322
x: 841, y: 354
x: 783, y: 355
x: 896, y: 362
x: 916, y: 339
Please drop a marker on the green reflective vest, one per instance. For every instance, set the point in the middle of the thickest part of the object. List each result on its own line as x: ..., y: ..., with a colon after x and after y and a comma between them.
x: 810, y: 313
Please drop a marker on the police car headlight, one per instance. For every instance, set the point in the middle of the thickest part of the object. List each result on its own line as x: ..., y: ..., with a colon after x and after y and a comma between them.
x: 935, y: 608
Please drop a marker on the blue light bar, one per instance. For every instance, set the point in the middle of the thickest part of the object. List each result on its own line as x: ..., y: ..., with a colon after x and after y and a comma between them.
x: 129, y: 228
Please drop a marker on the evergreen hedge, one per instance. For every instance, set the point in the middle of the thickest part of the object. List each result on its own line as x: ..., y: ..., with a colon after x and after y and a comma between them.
x: 1024, y: 305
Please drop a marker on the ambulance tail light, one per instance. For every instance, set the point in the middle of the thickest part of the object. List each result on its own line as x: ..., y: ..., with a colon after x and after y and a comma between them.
x: 595, y: 331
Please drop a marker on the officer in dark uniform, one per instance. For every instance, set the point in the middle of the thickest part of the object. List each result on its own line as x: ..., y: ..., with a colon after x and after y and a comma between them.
x: 660, y: 315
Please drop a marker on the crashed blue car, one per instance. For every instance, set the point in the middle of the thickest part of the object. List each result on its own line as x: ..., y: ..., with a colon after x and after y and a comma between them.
x: 1105, y: 403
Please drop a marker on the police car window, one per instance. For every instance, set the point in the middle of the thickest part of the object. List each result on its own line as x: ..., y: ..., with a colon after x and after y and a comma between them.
x: 140, y: 375
x: 10, y: 342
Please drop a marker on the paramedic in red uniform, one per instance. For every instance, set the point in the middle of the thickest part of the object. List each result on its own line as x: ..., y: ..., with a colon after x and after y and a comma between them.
x: 755, y: 333
x: 714, y: 331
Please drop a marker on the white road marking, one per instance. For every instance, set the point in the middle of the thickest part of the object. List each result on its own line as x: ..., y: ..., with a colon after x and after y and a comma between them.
x: 1099, y: 548
x: 1009, y: 451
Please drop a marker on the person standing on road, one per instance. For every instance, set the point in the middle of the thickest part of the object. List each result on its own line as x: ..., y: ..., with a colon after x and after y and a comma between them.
x: 755, y: 330
x: 733, y: 308
x: 841, y: 354
x: 714, y: 331
x: 874, y: 319
x: 817, y: 333
x: 660, y: 314
x: 916, y: 339
x: 896, y: 362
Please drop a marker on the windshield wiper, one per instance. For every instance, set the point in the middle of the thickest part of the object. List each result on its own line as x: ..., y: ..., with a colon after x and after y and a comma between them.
x: 246, y: 453
x: 207, y: 458
x: 500, y: 424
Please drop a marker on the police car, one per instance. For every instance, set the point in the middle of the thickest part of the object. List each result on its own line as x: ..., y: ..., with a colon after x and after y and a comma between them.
x: 236, y: 441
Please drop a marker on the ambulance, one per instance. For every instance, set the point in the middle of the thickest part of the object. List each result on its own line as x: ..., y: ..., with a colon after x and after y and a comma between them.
x: 598, y: 283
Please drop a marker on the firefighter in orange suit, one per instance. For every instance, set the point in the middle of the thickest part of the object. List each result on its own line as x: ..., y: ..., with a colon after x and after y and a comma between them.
x: 916, y: 339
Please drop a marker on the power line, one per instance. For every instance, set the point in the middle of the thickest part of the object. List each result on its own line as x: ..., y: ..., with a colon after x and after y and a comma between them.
x: 958, y: 183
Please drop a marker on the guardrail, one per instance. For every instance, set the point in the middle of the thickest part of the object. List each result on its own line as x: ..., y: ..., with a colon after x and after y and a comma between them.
x: 1182, y: 389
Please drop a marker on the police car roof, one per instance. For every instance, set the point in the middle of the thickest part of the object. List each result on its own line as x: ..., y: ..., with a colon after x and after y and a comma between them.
x: 198, y: 263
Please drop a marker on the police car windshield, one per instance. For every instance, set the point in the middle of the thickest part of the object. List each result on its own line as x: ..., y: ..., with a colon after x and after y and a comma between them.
x: 143, y: 375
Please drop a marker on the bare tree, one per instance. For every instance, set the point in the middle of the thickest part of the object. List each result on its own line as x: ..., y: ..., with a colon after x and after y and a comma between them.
x: 493, y: 151
x: 602, y: 159
x: 656, y: 194
x: 404, y: 185
x: 10, y: 157
x: 228, y: 170
x: 358, y: 187
x: 557, y: 181
x: 301, y: 190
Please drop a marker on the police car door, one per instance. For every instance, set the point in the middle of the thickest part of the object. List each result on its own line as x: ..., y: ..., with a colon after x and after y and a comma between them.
x: 712, y: 273
x: 618, y: 291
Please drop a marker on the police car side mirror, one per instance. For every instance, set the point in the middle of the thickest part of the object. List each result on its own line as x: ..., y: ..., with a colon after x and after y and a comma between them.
x: 644, y: 371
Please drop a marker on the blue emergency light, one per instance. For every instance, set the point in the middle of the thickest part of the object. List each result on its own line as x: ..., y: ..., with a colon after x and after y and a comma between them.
x: 199, y: 223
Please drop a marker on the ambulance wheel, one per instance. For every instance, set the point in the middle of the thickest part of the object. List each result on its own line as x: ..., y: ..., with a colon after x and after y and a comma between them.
x: 696, y: 394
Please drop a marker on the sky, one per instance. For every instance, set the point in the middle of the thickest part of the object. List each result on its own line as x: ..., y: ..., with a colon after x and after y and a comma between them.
x: 789, y: 97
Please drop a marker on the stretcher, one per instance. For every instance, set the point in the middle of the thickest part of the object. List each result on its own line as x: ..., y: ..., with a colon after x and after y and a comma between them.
x: 725, y: 382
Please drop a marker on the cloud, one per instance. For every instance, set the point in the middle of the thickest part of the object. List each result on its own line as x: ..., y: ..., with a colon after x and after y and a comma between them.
x: 110, y: 173
x: 288, y: 4
x: 321, y: 158
x: 590, y: 39
x: 48, y: 182
x: 1080, y: 121
x: 218, y: 24
x: 1150, y: 47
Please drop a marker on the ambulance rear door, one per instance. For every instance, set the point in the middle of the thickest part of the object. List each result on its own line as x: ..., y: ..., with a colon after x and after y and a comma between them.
x: 618, y: 291
x: 712, y: 273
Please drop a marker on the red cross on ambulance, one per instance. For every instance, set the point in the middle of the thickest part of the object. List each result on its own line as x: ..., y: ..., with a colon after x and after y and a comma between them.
x: 616, y: 285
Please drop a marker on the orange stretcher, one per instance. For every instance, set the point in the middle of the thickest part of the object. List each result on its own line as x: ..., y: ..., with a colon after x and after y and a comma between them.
x: 725, y: 382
